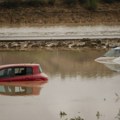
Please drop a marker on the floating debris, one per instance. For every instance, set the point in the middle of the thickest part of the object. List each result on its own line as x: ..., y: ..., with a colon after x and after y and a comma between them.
x: 116, y: 94
x: 104, y: 99
x: 118, y: 115
x: 117, y: 97
x: 98, y: 115
x: 62, y: 114
x: 77, y: 118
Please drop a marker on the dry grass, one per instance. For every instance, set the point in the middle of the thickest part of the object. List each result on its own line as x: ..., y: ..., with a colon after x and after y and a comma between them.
x: 106, y: 14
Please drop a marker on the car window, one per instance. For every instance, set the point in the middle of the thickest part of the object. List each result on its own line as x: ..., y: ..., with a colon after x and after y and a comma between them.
x: 20, y: 71
x: 8, y: 72
x: 23, y: 71
x: 2, y: 73
x: 40, y: 69
x: 29, y: 70
x: 113, y: 53
x: 15, y: 71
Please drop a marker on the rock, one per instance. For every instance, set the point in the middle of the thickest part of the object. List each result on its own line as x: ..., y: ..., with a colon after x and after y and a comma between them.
x: 65, y: 44
x: 80, y: 44
x: 88, y: 43
x: 98, y: 41
x: 112, y: 45
x: 59, y: 44
x: 93, y: 44
x: 4, y: 46
x: 35, y: 45
x: 14, y: 45
x: 24, y: 45
x: 70, y: 45
x: 42, y: 43
x: 104, y: 47
x: 51, y: 44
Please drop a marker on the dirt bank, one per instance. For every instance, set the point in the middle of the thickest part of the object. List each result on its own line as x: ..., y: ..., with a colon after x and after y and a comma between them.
x: 105, y: 14
x: 68, y: 44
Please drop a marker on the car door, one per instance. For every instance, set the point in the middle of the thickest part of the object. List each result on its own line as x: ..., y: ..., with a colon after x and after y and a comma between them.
x: 22, y: 74
x: 19, y: 74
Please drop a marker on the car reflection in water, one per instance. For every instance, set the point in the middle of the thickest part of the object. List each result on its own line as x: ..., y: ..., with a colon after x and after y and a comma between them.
x: 113, y: 67
x: 21, y: 88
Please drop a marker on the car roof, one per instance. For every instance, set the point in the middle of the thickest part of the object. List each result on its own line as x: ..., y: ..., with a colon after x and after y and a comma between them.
x: 117, y: 48
x: 18, y: 65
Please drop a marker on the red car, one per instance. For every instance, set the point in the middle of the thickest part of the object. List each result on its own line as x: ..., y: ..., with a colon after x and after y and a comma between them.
x: 22, y: 72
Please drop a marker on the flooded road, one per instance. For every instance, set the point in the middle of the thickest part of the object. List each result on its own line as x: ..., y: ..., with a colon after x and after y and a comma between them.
x: 77, y: 85
x: 59, y: 32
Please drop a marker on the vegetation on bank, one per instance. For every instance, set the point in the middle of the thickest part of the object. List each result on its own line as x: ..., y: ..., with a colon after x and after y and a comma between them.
x: 88, y: 4
x: 42, y: 12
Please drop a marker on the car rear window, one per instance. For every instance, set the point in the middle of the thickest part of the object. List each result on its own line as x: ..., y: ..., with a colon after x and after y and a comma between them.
x: 15, y: 71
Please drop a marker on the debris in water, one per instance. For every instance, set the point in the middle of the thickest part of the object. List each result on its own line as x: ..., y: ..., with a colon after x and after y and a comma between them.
x: 117, y: 97
x: 104, y: 99
x: 98, y: 115
x: 118, y: 115
x: 77, y: 118
x: 62, y: 114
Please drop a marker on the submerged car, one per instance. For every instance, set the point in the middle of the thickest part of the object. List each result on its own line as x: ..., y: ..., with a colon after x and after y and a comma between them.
x: 117, y: 60
x: 109, y: 56
x: 22, y: 72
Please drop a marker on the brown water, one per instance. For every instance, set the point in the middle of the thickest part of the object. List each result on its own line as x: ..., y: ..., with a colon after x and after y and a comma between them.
x: 77, y: 85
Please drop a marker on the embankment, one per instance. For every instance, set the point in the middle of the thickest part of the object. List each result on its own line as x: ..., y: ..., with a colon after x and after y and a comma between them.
x: 64, y: 44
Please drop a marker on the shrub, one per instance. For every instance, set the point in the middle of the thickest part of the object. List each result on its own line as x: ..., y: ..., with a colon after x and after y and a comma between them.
x: 92, y: 4
x: 108, y: 1
x: 70, y: 2
x: 11, y: 3
x: 36, y: 2
x: 51, y: 2
x: 82, y: 1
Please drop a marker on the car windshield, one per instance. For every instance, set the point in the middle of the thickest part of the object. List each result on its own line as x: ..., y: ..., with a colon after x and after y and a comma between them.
x: 113, y: 53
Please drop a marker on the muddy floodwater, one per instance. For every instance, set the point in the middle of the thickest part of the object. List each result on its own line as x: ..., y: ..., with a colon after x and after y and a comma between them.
x: 77, y: 86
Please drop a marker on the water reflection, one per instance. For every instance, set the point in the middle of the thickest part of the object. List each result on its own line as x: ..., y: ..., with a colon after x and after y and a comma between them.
x: 20, y: 88
x: 77, y: 85
x: 113, y: 67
